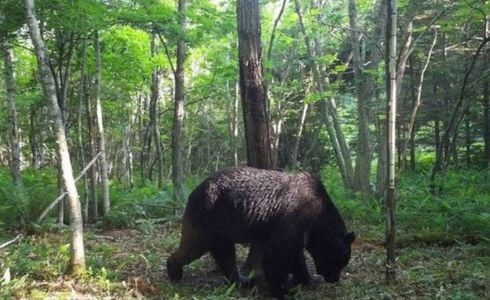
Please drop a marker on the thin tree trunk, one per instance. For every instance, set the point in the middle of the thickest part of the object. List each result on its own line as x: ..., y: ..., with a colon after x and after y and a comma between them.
x: 418, y: 95
x: 486, y: 102
x: 35, y: 139
x: 92, y: 151
x: 12, y: 112
x: 486, y: 120
x: 451, y: 131
x: 77, y: 262
x: 155, y: 96
x: 83, y: 92
x: 236, y: 103
x: 294, y: 156
x: 329, y: 113
x: 100, y: 126
x: 274, y: 27
x: 467, y: 132
x: 391, y: 118
x: 364, y: 89
x: 178, y: 120
x: 252, y: 85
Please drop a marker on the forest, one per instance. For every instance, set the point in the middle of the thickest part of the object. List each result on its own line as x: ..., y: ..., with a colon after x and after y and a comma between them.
x: 113, y: 111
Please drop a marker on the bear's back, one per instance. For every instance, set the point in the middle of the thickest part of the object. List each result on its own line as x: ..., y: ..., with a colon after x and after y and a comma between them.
x: 248, y: 201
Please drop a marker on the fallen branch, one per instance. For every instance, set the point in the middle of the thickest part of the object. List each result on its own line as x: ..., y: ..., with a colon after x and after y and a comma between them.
x: 154, y: 221
x: 53, y: 204
x: 105, y: 237
x: 11, y: 242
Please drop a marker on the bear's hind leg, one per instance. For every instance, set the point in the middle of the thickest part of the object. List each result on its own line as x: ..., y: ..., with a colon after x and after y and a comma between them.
x: 223, y: 252
x: 191, y: 248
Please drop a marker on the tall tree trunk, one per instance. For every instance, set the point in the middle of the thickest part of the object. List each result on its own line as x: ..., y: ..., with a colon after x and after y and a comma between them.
x: 100, y: 126
x: 297, y: 140
x: 83, y: 92
x: 35, y: 139
x: 77, y: 262
x: 236, y: 104
x: 12, y: 112
x: 391, y: 77
x: 418, y: 96
x: 154, y: 98
x: 94, y: 201
x: 329, y: 112
x: 486, y: 120
x: 252, y: 85
x: 178, y: 121
x: 364, y: 88
x: 486, y: 101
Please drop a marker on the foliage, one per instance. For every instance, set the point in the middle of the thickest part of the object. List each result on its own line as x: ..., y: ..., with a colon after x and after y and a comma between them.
x: 458, y: 214
x: 22, y: 205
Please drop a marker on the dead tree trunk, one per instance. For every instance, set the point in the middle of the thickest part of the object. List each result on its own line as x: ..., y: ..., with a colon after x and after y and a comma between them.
x: 77, y: 262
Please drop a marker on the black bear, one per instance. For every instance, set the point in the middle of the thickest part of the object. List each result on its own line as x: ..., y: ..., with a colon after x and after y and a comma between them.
x: 279, y: 213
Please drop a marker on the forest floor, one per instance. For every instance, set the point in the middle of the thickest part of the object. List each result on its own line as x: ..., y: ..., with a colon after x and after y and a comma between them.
x: 130, y: 263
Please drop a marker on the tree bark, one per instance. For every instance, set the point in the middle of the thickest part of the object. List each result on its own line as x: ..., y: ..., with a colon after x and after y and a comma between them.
x: 365, y: 91
x: 486, y: 120
x: 77, y: 262
x: 297, y: 140
x: 94, y: 201
x: 178, y: 120
x: 154, y: 123
x: 391, y: 77
x: 252, y: 86
x: 486, y: 102
x: 35, y: 139
x: 100, y: 127
x: 15, y: 158
x: 83, y: 92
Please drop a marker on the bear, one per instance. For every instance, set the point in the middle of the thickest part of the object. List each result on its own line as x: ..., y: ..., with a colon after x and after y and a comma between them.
x: 280, y: 214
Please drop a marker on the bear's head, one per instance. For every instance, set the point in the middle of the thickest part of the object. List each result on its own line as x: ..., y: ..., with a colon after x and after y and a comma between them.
x: 330, y: 253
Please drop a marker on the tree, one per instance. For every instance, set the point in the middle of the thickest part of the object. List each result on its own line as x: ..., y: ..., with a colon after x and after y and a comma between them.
x: 178, y: 120
x: 100, y: 126
x: 391, y: 87
x: 77, y: 262
x: 252, y: 87
x: 14, y: 158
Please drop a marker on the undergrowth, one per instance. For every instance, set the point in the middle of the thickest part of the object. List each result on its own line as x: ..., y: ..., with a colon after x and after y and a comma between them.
x: 443, y: 243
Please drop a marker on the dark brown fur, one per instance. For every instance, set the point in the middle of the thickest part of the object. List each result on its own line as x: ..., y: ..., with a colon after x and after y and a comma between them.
x: 274, y: 210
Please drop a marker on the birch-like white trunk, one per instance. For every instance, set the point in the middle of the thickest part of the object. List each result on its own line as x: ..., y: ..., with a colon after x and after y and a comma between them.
x: 77, y: 262
x: 391, y: 111
x: 100, y: 126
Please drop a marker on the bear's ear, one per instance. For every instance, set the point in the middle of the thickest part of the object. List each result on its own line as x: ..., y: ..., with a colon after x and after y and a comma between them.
x: 349, y: 238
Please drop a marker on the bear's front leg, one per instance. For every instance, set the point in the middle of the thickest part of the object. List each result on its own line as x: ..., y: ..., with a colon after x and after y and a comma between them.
x: 299, y: 269
x: 275, y: 266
